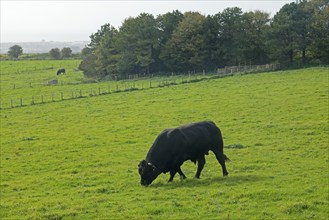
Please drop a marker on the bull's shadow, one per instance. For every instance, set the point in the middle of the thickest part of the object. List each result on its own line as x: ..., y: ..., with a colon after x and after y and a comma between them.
x: 206, y: 181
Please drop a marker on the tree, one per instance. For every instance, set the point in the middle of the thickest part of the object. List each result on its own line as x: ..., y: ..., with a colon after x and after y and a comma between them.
x: 318, y: 25
x: 231, y: 37
x: 210, y: 37
x: 106, y: 54
x: 166, y: 24
x: 137, y: 40
x: 282, y: 43
x: 185, y: 50
x: 55, y: 53
x: 88, y: 65
x: 15, y: 51
x: 66, y: 52
x: 192, y: 42
x: 100, y: 57
x: 256, y: 27
x: 96, y: 37
x: 86, y: 51
x: 301, y: 17
x: 291, y: 33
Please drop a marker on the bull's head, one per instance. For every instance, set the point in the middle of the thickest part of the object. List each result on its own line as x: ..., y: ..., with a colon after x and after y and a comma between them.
x: 148, y: 172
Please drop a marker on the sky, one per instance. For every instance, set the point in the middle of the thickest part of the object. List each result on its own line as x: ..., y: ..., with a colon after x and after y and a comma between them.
x: 76, y: 20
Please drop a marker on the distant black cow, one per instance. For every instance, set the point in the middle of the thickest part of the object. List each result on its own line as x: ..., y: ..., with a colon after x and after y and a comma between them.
x: 60, y: 71
x: 174, y: 146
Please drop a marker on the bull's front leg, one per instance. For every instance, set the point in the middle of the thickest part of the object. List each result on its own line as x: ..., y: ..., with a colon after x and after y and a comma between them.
x: 201, y: 163
x: 173, y: 173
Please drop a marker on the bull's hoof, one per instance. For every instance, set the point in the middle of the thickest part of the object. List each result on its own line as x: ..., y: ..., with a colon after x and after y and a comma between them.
x: 225, y: 174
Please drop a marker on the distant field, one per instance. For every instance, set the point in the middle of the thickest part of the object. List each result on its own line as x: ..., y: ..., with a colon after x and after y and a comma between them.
x: 77, y: 159
x: 24, y: 82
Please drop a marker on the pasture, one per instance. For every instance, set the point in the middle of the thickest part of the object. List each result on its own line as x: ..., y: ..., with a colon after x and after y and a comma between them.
x: 77, y: 159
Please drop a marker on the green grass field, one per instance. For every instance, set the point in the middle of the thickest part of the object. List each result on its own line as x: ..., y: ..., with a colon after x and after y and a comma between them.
x: 77, y: 158
x: 25, y: 82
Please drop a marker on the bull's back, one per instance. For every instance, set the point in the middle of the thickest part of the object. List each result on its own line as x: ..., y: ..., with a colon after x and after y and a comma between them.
x: 198, y: 137
x: 192, y: 139
x: 205, y: 130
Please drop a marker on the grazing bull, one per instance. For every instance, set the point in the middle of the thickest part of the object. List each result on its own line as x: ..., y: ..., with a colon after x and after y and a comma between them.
x: 174, y: 146
x: 60, y: 71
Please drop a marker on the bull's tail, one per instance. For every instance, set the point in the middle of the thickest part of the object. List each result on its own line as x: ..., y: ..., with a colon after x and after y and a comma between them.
x: 226, y: 158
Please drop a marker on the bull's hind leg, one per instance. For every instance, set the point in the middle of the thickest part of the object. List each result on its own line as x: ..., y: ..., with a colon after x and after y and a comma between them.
x: 221, y: 159
x: 201, y: 163
x: 182, y: 176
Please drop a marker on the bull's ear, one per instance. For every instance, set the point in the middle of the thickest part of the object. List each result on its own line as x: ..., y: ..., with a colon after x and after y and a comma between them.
x: 142, y: 163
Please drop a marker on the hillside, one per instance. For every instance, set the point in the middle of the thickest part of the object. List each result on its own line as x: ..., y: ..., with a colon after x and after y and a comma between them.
x: 78, y: 158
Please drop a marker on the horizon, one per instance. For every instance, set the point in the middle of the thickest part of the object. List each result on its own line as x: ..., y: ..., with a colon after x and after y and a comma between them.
x: 77, y: 20
x: 46, y: 41
x: 40, y: 47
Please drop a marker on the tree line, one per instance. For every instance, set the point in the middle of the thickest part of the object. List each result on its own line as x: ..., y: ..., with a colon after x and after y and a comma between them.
x: 175, y: 42
x: 16, y: 51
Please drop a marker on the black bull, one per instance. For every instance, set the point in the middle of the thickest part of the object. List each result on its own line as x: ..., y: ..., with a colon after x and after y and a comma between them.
x: 60, y: 71
x: 174, y: 146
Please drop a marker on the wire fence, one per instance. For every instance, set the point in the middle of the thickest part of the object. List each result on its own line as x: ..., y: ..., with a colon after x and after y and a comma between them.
x: 132, y: 83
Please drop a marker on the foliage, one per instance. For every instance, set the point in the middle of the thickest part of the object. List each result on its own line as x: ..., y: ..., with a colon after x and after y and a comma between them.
x: 85, y: 52
x: 319, y: 46
x: 231, y: 36
x: 296, y: 36
x: 66, y: 52
x: 167, y: 23
x: 296, y: 29
x: 137, y: 40
x: 183, y: 52
x: 256, y: 28
x: 55, y: 53
x: 95, y: 38
x: 15, y: 51
x: 78, y: 159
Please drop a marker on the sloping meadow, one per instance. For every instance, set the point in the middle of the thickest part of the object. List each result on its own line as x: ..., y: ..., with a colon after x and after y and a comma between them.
x: 78, y: 158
